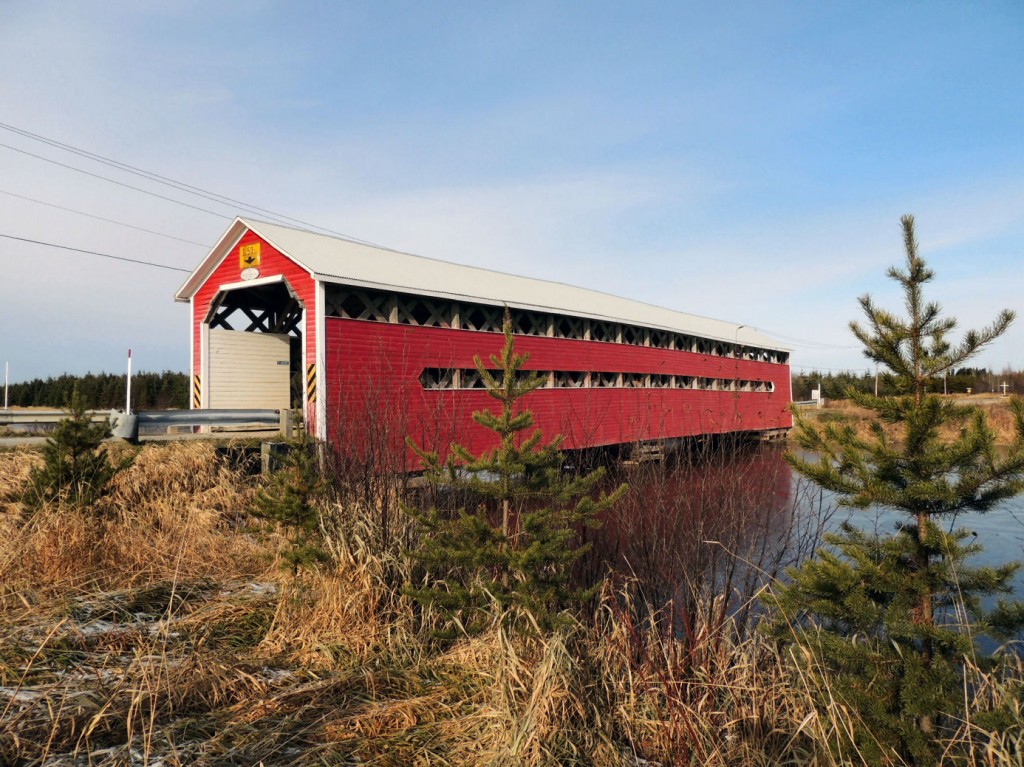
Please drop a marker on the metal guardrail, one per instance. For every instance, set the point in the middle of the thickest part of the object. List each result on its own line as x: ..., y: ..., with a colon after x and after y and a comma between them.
x: 44, y: 417
x: 129, y: 426
x: 208, y: 417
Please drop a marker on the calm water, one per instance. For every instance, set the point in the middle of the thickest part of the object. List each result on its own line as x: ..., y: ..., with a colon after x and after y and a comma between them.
x: 729, y: 521
x: 1000, y: 531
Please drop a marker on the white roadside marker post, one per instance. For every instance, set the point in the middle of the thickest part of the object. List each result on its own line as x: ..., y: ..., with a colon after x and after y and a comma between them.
x: 128, y: 398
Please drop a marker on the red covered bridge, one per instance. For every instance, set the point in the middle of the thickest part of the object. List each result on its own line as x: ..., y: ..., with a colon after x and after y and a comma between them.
x: 367, y: 339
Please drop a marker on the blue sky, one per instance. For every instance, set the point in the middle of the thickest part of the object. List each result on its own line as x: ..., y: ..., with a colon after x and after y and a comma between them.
x: 748, y: 162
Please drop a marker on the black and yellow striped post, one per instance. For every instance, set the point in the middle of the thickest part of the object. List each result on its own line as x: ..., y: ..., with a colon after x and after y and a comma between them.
x: 197, y: 393
x: 311, y: 385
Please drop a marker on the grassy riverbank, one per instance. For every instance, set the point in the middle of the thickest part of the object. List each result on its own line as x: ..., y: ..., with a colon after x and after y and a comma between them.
x: 845, y: 412
x: 159, y: 628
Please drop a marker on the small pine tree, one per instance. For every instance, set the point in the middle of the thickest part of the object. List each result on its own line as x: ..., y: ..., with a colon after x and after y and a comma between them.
x: 290, y: 500
x: 76, y: 468
x: 517, y: 544
x: 889, y: 618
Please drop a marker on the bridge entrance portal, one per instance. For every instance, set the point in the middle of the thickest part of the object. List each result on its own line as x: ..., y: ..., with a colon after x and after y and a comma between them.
x: 254, y: 349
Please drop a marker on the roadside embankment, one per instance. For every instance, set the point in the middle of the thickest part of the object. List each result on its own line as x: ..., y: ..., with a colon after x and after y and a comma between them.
x: 845, y: 412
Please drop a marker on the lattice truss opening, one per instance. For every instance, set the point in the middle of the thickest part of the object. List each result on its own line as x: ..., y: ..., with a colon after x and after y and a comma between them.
x: 354, y: 303
x: 469, y: 378
x: 488, y: 319
x: 261, y: 309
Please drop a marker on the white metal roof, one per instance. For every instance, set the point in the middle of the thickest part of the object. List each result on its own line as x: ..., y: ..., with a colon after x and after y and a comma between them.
x: 333, y: 259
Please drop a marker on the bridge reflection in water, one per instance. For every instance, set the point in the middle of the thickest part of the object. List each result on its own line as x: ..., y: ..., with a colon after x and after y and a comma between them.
x: 699, y: 534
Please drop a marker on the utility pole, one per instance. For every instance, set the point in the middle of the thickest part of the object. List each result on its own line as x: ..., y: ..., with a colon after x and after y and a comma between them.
x: 7, y: 370
x: 876, y: 379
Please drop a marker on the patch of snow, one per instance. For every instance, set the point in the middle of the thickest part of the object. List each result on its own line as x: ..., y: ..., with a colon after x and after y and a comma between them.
x: 160, y: 627
x: 275, y: 674
x: 263, y: 589
x: 23, y: 694
x: 99, y: 627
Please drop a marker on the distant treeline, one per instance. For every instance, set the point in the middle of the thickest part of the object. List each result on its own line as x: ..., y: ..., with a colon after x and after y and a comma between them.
x: 101, y: 391
x: 837, y: 384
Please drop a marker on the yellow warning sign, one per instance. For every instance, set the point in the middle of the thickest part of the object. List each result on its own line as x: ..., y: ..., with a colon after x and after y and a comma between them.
x: 249, y: 256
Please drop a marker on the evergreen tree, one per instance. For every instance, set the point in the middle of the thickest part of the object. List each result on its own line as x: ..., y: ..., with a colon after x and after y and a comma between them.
x: 76, y: 468
x: 516, y: 544
x: 105, y: 390
x: 889, y: 617
x: 290, y: 500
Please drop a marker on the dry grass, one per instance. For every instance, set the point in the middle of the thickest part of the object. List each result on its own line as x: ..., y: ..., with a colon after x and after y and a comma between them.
x: 157, y: 630
x: 998, y: 413
x: 338, y: 619
x: 166, y: 518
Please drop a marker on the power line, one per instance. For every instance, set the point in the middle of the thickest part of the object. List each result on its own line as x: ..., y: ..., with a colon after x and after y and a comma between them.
x: 178, y: 185
x: 112, y: 181
x: 95, y: 253
x: 810, y: 344
x: 101, y: 218
x: 803, y: 342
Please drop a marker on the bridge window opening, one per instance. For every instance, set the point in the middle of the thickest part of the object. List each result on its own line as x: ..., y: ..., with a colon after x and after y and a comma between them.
x: 347, y: 302
x: 603, y: 331
x: 437, y: 378
x: 355, y: 304
x: 482, y: 318
x: 528, y: 323
x: 570, y: 379
x: 569, y: 327
x: 632, y: 335
x: 470, y: 378
x: 424, y: 312
x: 661, y: 340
